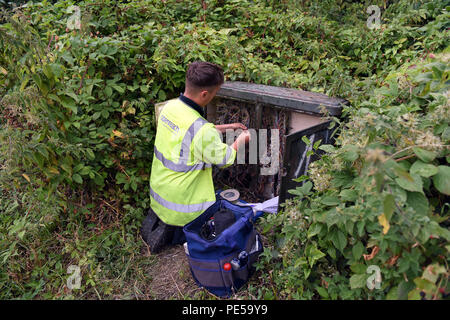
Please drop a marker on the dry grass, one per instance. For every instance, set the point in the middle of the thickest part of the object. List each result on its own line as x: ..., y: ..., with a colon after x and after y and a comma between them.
x: 171, y: 278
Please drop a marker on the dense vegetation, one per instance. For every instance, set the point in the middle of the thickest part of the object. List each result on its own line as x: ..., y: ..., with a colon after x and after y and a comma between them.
x: 77, y: 127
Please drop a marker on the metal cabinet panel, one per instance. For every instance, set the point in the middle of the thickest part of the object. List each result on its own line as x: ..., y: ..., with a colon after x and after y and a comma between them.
x: 296, y: 160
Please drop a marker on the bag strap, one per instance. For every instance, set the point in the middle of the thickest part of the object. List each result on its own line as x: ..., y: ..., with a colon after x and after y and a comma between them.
x: 250, y: 216
x: 247, y: 218
x: 253, y: 256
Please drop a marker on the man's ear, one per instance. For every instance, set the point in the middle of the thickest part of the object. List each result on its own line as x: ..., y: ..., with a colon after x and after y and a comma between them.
x: 204, y: 94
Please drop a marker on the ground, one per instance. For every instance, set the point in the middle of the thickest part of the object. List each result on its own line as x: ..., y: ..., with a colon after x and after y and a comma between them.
x: 171, y: 278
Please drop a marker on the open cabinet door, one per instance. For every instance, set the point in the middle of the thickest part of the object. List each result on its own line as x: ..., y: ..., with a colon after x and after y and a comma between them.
x: 296, y: 160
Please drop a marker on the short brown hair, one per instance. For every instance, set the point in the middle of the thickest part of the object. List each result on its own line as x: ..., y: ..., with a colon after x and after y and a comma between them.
x: 202, y: 75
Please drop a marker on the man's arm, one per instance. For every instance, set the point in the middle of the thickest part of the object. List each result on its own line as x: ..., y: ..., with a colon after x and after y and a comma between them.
x: 209, y: 148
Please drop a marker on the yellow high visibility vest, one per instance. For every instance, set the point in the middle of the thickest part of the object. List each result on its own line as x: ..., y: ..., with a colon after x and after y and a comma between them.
x: 186, y: 147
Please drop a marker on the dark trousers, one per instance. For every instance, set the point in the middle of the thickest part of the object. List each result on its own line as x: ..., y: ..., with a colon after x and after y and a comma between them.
x: 158, y: 235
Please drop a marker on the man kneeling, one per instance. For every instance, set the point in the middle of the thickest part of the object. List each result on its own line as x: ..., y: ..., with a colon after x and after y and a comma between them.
x: 186, y: 147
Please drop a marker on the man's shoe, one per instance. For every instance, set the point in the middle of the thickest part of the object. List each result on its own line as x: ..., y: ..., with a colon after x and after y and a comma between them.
x: 155, y: 233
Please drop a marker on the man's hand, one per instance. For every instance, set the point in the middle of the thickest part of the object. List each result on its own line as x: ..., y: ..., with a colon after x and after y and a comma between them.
x: 243, y: 138
x: 234, y: 126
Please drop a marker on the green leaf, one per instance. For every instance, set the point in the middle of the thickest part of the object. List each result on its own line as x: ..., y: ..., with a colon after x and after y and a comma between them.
x: 349, y: 195
x: 66, y: 167
x: 90, y: 154
x: 446, y: 134
x: 411, y: 183
x: 57, y: 69
x: 342, y: 179
x: 85, y: 171
x: 118, y: 88
x: 42, y: 150
x: 414, y: 294
x: 306, y: 272
x: 76, y: 125
x: 350, y: 153
x: 105, y: 114
x: 332, y: 217
x: 418, y: 201
x: 327, y: 148
x: 423, y: 169
x: 322, y: 292
x: 432, y: 272
x: 300, y: 262
x: 306, y: 187
x: 295, y: 192
x: 317, y: 144
x: 339, y: 240
x: 78, y: 167
x: 424, y: 155
x: 303, y: 190
x: 404, y: 288
x: 69, y: 103
x: 161, y: 95
x: 21, y: 234
x: 424, y: 77
x: 436, y: 229
x: 392, y: 294
x: 306, y: 140
x: 358, y: 268
x: 357, y: 250
x: 48, y: 71
x: 379, y: 180
x: 425, y: 285
x: 442, y: 180
x: 388, y: 206
x: 144, y: 89
x: 357, y: 281
x: 77, y: 178
x: 331, y: 252
x: 330, y: 200
x: 314, y: 229
x: 360, y: 227
x: 99, y: 180
x: 96, y: 115
x: 301, y: 178
x: 108, y: 91
x: 39, y: 159
x: 314, y: 255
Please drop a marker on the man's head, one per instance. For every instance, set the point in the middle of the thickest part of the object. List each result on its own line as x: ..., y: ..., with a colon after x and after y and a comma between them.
x: 203, y: 80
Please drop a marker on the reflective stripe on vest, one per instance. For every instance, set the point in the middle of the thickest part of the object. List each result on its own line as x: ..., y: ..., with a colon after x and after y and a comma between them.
x: 179, y: 167
x: 185, y: 208
x: 226, y: 158
x: 187, y: 139
x: 182, y: 165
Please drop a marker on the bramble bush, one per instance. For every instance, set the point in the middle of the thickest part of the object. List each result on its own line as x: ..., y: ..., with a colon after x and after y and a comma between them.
x: 77, y: 130
x: 380, y: 198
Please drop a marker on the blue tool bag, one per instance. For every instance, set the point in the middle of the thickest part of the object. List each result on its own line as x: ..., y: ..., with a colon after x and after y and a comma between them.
x: 223, y: 263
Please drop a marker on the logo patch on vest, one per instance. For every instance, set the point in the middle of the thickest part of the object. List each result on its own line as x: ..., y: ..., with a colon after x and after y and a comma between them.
x: 170, y: 124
